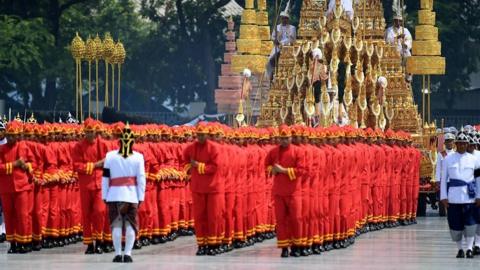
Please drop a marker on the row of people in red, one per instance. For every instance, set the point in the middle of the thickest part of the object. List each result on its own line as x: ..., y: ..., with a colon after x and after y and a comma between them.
x: 326, y: 186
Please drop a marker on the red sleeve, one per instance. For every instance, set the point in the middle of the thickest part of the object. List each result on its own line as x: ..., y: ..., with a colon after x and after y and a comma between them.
x: 212, y: 164
x: 79, y: 165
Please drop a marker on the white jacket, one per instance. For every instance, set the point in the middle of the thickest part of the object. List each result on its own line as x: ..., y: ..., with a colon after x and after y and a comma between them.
x: 124, y: 178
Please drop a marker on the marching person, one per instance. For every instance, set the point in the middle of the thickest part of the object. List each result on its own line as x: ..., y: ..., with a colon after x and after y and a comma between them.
x: 285, y: 162
x: 201, y: 159
x: 88, y: 157
x: 459, y: 196
x: 123, y: 189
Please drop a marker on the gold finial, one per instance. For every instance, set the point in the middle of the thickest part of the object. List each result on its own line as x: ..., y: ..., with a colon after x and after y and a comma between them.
x: 32, y: 119
x: 18, y: 118
x: 108, y: 47
x: 98, y: 47
x: 77, y: 47
x: 90, y: 49
x: 119, y: 53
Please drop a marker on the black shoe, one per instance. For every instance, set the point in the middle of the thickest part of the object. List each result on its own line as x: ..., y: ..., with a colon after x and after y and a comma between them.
x: 162, y: 239
x: 145, y: 242
x: 316, y: 250
x: 60, y: 243
x: 237, y: 244
x: 460, y: 254
x: 211, y: 251
x: 321, y: 248
x: 118, y: 259
x: 476, y: 250
x: 98, y: 249
x: 304, y: 252
x: 127, y: 259
x: 90, y: 249
x: 156, y: 240
x: 137, y: 245
x: 201, y: 251
x: 107, y: 248
x: 295, y: 252
x: 3, y: 238
x: 469, y: 254
x: 36, y: 246
x: 336, y: 245
x: 21, y: 249
x: 284, y: 253
x: 228, y: 248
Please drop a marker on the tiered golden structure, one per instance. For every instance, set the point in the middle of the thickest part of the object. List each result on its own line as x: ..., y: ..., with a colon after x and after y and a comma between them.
x: 254, y: 39
x: 358, y: 46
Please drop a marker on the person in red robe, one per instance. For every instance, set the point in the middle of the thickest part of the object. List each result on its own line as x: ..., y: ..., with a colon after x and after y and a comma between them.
x: 286, y: 164
x: 88, y: 156
x: 202, y: 156
x: 16, y: 167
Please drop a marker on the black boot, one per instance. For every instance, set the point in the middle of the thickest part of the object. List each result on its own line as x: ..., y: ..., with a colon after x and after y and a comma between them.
x: 211, y: 251
x: 137, y: 245
x: 295, y: 252
x: 13, y: 248
x: 127, y: 259
x: 90, y: 249
x: 163, y: 239
x: 284, y: 253
x: 36, y: 246
x: 201, y: 251
x: 98, y: 248
x: 118, y: 259
x: 3, y: 238
x: 304, y: 251
x: 469, y: 254
x: 476, y: 250
x: 156, y: 240
x: 461, y: 253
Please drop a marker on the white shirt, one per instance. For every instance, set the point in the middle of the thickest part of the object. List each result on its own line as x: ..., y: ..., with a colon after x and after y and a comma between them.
x: 287, y: 34
x: 461, y: 167
x: 391, y: 38
x: 132, y: 166
x: 440, y: 159
x: 347, y: 6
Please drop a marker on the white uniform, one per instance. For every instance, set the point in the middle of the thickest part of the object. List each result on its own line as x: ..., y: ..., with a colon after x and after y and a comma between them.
x: 287, y: 34
x: 347, y: 6
x: 123, y: 182
x: 391, y: 38
x: 459, y: 170
x: 440, y: 159
x: 460, y: 167
x: 127, y: 178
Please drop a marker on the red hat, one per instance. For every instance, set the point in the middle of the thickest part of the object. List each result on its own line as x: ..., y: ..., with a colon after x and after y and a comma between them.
x: 284, y: 131
x: 90, y: 125
x: 202, y: 128
x: 14, y: 128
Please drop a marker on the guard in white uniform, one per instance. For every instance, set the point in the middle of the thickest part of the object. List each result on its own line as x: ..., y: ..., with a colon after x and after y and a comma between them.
x: 472, y: 149
x: 123, y: 189
x: 459, y: 193
x: 449, y: 142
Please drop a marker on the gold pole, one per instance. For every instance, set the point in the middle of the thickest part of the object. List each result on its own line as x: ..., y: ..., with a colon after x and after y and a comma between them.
x: 118, y: 95
x: 96, y: 87
x: 106, y: 83
x: 89, y: 86
x: 429, y: 104
x: 423, y: 99
x: 81, y: 93
x: 113, y: 85
x: 76, y: 88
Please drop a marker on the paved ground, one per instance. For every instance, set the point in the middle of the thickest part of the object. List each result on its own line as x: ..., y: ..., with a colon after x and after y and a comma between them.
x: 422, y: 246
